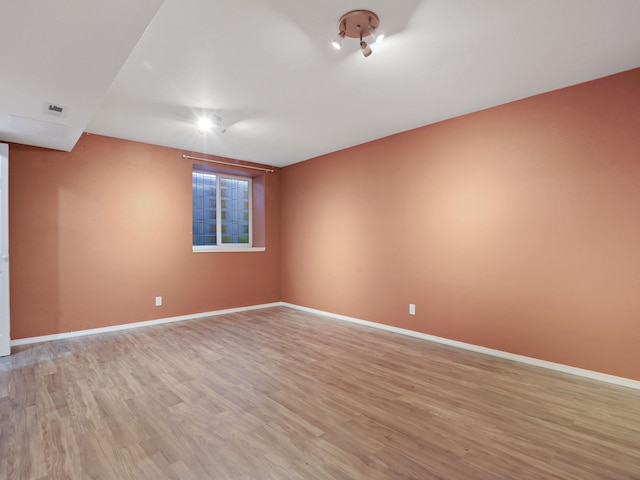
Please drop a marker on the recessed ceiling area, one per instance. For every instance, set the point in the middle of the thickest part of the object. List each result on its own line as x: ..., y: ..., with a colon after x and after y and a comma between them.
x: 266, y: 74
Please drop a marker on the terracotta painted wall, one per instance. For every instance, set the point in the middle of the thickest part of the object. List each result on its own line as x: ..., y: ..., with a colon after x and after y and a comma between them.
x: 515, y: 228
x: 97, y: 233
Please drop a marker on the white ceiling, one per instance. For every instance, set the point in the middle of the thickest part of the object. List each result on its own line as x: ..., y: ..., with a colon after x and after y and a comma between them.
x: 144, y: 70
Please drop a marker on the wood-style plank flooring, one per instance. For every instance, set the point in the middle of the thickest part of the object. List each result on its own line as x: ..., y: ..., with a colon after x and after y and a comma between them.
x: 281, y: 394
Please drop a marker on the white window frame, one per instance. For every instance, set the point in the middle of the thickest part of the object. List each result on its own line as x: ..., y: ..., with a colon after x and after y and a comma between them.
x: 226, y: 247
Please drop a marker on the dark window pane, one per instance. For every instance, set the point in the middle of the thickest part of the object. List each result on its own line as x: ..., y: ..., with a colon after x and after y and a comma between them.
x: 204, y: 208
x: 235, y: 209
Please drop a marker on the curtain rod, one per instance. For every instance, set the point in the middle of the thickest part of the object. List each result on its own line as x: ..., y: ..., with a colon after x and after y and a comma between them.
x: 189, y: 157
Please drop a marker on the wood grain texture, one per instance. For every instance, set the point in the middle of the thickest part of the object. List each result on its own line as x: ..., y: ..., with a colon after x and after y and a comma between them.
x: 282, y: 394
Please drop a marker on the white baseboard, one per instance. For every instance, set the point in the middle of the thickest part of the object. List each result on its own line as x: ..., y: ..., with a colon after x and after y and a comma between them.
x: 146, y: 323
x: 603, y: 377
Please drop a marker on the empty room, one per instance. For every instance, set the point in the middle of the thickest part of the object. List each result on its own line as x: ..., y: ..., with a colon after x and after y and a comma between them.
x: 271, y: 239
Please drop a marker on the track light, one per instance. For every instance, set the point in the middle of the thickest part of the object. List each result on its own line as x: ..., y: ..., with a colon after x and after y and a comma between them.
x: 377, y: 36
x: 366, y: 49
x: 356, y: 23
x: 337, y: 42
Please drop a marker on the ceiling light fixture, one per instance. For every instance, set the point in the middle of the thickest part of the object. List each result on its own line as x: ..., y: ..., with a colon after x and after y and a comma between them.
x: 206, y: 124
x: 366, y: 49
x: 358, y: 24
x: 378, y: 37
x: 337, y: 42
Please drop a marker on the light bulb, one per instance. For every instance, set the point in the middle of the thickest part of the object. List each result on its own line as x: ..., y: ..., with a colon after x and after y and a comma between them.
x: 337, y: 42
x: 377, y: 36
x: 366, y: 49
x: 204, y: 124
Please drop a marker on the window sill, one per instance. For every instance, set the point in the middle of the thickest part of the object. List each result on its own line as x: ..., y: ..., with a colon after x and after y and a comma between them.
x: 200, y: 249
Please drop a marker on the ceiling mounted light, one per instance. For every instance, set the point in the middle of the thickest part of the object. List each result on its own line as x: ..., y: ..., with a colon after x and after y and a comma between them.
x: 337, y: 42
x: 206, y: 123
x: 378, y: 37
x: 366, y: 49
x: 358, y: 24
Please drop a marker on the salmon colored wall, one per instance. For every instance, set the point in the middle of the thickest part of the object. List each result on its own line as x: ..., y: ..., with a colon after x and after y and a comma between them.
x: 96, y: 234
x: 515, y: 228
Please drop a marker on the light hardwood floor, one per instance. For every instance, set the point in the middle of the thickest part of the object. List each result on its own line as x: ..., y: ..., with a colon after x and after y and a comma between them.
x: 280, y: 394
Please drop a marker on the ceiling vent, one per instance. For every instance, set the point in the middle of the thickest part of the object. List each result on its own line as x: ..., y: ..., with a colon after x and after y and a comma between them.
x: 55, y: 109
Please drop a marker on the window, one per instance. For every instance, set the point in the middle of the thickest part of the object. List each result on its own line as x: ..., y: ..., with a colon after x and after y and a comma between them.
x: 222, y: 210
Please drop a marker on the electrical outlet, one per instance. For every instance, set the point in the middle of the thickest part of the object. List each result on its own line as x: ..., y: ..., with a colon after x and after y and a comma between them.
x: 412, y: 309
x: 158, y: 301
